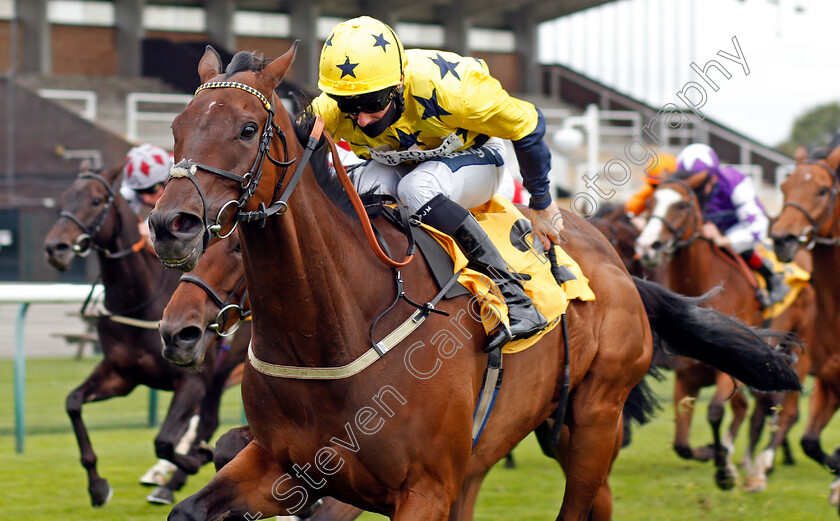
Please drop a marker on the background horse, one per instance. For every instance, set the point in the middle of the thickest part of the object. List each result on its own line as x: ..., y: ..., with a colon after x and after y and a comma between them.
x: 315, y: 288
x: 95, y: 216
x: 810, y: 219
x: 697, y: 267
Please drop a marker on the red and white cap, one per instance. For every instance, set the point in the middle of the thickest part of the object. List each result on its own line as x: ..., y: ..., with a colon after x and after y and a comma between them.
x: 147, y: 165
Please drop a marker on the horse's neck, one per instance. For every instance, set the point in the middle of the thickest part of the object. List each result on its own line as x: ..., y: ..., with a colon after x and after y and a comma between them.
x: 309, y: 273
x: 692, y: 268
x: 131, y: 280
x: 824, y: 277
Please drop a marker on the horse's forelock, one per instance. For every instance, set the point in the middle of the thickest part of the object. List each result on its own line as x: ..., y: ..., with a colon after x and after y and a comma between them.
x: 245, y: 61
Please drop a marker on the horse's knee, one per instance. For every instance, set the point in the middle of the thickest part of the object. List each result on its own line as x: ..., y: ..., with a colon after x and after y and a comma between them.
x: 73, y: 404
x: 229, y: 445
x: 811, y: 447
x: 683, y: 451
x: 164, y: 448
x: 715, y: 413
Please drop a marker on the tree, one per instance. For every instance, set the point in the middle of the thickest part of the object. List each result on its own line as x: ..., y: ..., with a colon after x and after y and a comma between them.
x: 814, y: 128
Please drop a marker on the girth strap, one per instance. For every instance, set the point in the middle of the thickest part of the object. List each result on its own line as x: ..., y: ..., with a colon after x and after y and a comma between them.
x: 359, y: 364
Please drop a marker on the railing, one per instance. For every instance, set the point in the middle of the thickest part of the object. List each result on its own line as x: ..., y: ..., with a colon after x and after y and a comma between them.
x: 134, y: 113
x: 88, y: 97
x: 24, y: 295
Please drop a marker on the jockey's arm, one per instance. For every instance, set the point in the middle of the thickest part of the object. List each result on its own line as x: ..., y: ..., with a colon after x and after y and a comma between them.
x: 637, y: 203
x: 752, y: 221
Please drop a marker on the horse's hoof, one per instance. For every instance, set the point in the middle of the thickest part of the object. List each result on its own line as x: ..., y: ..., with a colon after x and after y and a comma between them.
x: 755, y: 484
x: 834, y: 493
x: 100, y: 493
x: 161, y: 496
x: 725, y: 479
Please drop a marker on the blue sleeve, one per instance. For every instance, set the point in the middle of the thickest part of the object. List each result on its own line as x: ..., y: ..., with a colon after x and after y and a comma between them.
x: 534, y: 164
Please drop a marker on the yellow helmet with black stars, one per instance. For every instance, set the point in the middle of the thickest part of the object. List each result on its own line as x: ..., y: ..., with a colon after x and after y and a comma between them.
x: 361, y: 55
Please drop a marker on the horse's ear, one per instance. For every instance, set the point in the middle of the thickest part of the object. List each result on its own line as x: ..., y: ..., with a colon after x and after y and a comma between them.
x: 697, y: 180
x: 278, y: 67
x: 833, y: 159
x: 210, y: 65
x: 112, y: 174
x: 801, y: 154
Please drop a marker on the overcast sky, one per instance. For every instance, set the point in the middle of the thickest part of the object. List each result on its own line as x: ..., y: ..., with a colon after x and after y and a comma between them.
x: 792, y: 48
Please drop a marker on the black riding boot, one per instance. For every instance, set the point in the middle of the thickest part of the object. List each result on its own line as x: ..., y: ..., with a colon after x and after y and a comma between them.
x: 777, y: 288
x: 450, y: 218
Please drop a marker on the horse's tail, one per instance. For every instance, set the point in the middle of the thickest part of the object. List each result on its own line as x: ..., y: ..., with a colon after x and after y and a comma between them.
x: 722, y: 342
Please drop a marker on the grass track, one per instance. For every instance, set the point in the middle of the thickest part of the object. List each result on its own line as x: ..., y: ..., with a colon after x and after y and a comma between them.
x: 649, y: 481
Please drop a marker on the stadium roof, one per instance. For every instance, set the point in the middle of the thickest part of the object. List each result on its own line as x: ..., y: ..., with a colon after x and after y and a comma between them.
x: 483, y: 13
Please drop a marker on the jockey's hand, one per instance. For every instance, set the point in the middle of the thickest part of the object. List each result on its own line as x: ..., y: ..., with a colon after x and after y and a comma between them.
x: 711, y: 232
x: 548, y: 225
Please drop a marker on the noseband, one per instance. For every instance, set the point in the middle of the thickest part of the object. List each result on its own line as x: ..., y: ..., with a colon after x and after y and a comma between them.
x: 88, y: 232
x: 814, y: 223
x: 250, y: 180
x: 676, y: 243
x: 224, y: 305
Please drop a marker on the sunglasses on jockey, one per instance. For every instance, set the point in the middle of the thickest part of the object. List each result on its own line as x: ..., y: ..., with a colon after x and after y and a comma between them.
x: 370, y: 102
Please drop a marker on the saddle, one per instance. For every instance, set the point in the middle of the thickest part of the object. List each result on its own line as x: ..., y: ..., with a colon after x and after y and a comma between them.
x: 511, y: 233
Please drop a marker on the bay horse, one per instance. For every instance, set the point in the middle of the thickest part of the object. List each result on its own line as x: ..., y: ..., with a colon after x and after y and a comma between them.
x: 810, y: 219
x: 395, y: 438
x: 95, y: 217
x: 697, y: 267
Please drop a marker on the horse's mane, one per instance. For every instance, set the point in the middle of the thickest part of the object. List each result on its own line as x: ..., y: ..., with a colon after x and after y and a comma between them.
x: 326, y: 178
x: 682, y: 175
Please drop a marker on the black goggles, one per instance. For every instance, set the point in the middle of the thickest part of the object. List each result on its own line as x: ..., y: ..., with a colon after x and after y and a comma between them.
x: 155, y: 188
x: 371, y: 102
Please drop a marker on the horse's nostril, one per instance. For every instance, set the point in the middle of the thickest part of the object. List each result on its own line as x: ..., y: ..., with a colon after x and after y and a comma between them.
x: 656, y: 245
x: 188, y: 336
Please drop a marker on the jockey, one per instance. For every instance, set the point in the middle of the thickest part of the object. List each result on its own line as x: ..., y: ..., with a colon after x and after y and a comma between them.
x: 734, y: 216
x: 144, y: 174
x: 430, y: 125
x: 637, y: 204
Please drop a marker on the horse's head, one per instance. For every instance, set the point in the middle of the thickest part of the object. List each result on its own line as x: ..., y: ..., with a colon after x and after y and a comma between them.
x: 810, y: 211
x: 87, y: 218
x: 209, y: 301
x: 675, y: 218
x: 221, y: 141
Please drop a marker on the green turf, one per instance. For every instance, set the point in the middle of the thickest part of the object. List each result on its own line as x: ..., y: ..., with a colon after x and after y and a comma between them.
x: 649, y: 481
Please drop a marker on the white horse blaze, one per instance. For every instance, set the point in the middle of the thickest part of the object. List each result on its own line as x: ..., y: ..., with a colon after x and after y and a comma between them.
x: 665, y: 199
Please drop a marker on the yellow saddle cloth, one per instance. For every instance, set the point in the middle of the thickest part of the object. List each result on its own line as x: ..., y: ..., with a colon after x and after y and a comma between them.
x: 795, y: 277
x: 498, y: 217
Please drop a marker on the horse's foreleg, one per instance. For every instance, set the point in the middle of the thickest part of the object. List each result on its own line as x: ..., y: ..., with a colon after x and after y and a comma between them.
x: 186, y: 398
x: 464, y: 508
x: 726, y: 474
x: 102, y: 384
x: 685, y: 398
x: 824, y: 403
x: 763, y: 408
x: 587, y: 451
x: 251, y: 486
x: 764, y: 461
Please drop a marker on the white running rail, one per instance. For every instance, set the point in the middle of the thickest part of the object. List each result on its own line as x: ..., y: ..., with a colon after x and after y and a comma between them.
x: 88, y: 97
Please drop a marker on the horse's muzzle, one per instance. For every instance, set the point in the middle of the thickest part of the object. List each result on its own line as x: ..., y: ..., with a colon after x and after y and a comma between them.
x: 177, y: 238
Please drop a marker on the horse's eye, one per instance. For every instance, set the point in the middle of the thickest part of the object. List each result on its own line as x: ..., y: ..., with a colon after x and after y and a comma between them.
x: 96, y: 201
x: 248, y: 131
x: 823, y: 190
x: 682, y: 205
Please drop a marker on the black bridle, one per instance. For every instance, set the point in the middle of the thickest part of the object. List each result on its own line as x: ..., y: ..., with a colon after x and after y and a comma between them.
x: 85, y: 242
x: 816, y: 224
x: 224, y: 305
x: 676, y: 243
x: 251, y: 179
